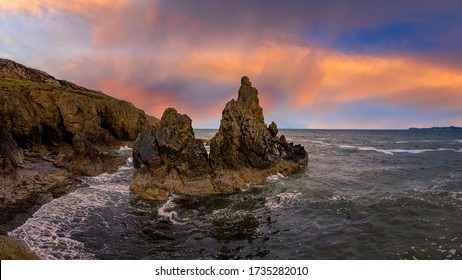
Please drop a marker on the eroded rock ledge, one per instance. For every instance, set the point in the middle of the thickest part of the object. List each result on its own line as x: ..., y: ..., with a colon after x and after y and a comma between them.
x: 244, y: 151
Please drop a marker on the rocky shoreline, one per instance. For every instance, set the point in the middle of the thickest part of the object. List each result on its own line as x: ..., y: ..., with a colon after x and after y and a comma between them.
x: 53, y: 131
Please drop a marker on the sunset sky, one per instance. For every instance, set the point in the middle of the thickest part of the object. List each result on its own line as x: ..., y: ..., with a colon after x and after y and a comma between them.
x: 316, y: 64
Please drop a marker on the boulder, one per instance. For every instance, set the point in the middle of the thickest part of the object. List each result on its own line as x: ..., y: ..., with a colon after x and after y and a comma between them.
x: 168, y: 158
x: 87, y: 160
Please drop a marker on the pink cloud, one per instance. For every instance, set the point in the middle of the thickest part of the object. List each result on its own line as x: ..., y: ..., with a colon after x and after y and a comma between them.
x: 38, y: 7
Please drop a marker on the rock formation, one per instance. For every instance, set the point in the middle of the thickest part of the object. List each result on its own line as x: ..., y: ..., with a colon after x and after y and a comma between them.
x: 245, y: 151
x: 168, y: 158
x: 43, y: 114
x: 52, y: 130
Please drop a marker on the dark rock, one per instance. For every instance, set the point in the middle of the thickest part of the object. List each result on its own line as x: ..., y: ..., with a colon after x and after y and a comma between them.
x: 38, y: 181
x: 245, y: 151
x: 10, y: 156
x: 243, y: 139
x: 273, y: 129
x: 87, y: 159
x: 168, y: 158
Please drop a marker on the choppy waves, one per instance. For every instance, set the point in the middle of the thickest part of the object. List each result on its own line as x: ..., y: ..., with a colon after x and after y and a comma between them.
x: 387, y: 151
x: 364, y: 195
x: 52, y: 232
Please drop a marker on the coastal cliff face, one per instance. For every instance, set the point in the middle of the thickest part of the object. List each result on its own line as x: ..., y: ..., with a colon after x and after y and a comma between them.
x: 244, y: 151
x: 52, y: 130
x: 43, y: 114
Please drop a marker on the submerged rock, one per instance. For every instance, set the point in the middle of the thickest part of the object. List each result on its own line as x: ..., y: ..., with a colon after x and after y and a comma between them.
x: 244, y: 151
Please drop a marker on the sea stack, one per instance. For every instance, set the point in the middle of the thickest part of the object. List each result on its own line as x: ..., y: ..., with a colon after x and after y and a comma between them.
x: 245, y: 151
x: 168, y: 158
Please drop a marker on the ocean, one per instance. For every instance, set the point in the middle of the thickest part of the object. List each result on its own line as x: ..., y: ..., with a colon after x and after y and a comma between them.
x: 366, y: 194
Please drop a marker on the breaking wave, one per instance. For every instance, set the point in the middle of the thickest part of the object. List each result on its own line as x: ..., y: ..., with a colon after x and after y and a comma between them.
x: 387, y: 151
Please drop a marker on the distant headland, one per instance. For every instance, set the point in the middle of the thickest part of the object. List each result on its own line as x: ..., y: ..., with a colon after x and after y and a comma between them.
x: 437, y: 128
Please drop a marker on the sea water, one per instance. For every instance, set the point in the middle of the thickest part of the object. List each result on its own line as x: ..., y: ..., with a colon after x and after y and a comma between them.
x: 366, y: 194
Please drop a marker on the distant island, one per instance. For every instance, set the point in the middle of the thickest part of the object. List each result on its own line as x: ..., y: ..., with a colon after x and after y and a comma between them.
x: 437, y: 128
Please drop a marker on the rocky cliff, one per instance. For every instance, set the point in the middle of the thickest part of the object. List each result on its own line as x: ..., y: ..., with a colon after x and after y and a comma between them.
x: 44, y: 114
x: 245, y: 151
x: 52, y: 130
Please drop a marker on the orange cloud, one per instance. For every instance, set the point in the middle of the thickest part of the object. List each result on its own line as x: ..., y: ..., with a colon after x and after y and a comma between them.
x: 395, y: 79
x: 311, y: 77
x: 288, y: 77
x: 154, y: 103
x: 37, y: 7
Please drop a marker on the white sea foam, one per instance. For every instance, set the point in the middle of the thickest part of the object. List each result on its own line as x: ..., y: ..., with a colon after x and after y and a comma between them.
x: 281, y: 199
x: 387, y: 152
x: 50, y: 230
x: 167, y: 211
x: 423, y: 141
x: 275, y: 177
x: 395, y: 151
x: 320, y: 142
x: 125, y: 148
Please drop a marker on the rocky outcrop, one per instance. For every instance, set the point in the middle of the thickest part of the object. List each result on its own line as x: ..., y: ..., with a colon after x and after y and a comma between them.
x: 244, y: 151
x: 168, y: 158
x: 12, y: 249
x: 43, y: 114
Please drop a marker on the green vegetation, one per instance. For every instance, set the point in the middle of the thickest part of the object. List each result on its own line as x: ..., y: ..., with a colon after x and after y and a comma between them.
x: 23, y: 86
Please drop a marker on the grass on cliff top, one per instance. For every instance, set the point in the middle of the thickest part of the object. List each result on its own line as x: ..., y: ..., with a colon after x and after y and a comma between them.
x: 23, y: 86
